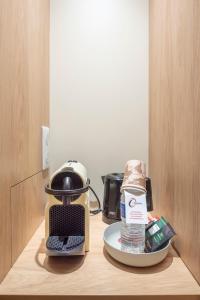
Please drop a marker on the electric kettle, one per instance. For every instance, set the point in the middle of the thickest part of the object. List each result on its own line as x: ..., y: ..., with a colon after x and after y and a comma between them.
x: 111, y: 199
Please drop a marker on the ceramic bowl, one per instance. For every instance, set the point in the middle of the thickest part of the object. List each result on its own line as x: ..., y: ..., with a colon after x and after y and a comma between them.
x: 113, y: 246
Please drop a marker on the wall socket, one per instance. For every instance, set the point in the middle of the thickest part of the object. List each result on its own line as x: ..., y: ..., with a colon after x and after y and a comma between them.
x: 45, y: 147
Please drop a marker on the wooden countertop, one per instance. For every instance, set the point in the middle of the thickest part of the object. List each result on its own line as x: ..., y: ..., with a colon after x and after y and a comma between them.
x: 94, y: 274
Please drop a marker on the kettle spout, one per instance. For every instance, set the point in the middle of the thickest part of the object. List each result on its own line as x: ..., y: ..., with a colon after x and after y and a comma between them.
x: 103, y: 177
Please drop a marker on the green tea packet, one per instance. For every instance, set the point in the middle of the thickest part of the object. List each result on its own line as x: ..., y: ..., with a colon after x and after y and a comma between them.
x: 158, y: 234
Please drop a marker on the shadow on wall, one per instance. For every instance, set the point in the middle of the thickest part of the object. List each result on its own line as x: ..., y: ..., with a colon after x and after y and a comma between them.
x: 99, y: 84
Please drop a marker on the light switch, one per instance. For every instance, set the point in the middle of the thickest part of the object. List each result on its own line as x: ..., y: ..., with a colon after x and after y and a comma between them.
x: 45, y: 147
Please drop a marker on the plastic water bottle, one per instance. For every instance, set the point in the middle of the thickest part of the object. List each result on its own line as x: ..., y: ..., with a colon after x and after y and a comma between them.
x: 132, y: 235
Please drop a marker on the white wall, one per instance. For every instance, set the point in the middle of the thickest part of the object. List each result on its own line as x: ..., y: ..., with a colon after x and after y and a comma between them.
x: 99, y: 84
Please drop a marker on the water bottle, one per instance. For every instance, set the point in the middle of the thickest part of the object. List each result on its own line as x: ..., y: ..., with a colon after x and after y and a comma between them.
x: 132, y: 235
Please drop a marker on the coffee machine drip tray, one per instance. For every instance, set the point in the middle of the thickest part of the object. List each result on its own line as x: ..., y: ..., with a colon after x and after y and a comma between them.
x: 67, y: 230
x: 66, y: 245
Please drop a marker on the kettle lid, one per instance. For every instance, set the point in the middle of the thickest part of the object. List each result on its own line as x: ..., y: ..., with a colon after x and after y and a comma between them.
x: 115, y: 177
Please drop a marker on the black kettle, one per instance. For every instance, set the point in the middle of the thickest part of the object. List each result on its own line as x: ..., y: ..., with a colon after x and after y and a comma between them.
x: 111, y: 200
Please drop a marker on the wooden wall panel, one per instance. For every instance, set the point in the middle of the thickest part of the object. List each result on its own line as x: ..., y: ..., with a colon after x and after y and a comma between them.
x: 161, y: 127
x: 5, y: 139
x: 5, y: 230
x: 28, y: 45
x: 175, y: 120
x: 27, y: 210
x: 24, y: 76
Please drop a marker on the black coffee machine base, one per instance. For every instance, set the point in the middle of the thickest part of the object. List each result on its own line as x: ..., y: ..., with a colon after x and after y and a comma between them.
x: 109, y: 220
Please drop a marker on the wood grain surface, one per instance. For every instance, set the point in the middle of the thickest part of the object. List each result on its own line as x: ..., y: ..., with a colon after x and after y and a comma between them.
x: 29, y: 84
x: 5, y: 138
x: 24, y: 76
x: 27, y: 210
x: 174, y: 154
x: 96, y: 274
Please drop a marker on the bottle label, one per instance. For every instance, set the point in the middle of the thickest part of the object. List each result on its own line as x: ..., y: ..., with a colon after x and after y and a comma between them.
x: 135, y: 208
x: 122, y: 210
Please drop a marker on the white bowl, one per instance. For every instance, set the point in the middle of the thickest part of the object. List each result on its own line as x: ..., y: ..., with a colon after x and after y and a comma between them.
x: 113, y: 246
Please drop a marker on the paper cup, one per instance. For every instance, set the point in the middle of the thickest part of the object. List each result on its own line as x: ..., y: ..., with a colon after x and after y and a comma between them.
x: 134, y: 175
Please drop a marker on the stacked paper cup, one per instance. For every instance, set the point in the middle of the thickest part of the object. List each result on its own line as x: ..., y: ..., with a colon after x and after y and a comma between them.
x: 134, y: 176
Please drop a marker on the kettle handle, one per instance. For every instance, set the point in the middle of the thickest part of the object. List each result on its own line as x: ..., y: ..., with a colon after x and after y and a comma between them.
x: 103, y: 178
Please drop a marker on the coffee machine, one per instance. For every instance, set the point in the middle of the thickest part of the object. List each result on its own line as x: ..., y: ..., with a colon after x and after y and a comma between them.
x: 67, y: 211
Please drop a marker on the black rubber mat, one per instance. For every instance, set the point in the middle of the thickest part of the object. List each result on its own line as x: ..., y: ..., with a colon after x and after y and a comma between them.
x: 55, y: 243
x: 72, y: 242
x: 64, y: 243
